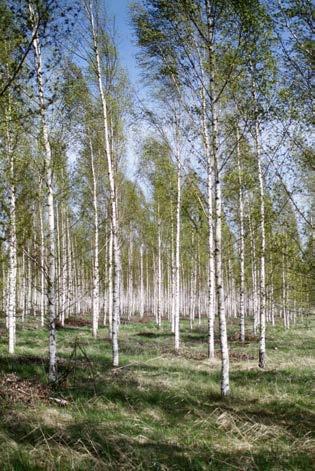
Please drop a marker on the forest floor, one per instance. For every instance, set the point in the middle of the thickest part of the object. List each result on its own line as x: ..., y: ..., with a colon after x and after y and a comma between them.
x: 158, y: 411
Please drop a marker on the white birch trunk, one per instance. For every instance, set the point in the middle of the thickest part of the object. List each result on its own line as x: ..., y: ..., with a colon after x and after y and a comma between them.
x: 220, y: 304
x: 173, y: 281
x: 110, y: 283
x: 130, y: 278
x: 159, y: 274
x: 23, y: 287
x: 63, y: 258
x: 51, y: 256
x: 12, y: 269
x: 112, y: 188
x: 42, y: 269
x: 96, y: 277
x: 262, y: 290
x: 211, y: 251
x: 242, y: 240
x: 141, y: 283
x: 177, y: 256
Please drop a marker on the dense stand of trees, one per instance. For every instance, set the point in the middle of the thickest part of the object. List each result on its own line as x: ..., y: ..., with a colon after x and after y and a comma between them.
x: 215, y: 223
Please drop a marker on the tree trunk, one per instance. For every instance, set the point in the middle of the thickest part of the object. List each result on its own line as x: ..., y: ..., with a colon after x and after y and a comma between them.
x: 51, y: 256
x: 12, y: 270
x: 141, y: 283
x: 211, y: 251
x: 96, y: 276
x: 159, y: 270
x: 113, y: 204
x: 110, y: 283
x: 177, y: 258
x: 242, y: 240
x: 220, y: 305
x: 42, y: 268
x: 262, y: 297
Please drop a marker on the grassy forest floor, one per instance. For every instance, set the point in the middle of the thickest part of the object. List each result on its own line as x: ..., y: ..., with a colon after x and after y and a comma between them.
x: 157, y: 411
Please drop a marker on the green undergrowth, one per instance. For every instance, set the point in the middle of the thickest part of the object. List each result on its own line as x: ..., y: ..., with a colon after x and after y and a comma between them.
x: 158, y: 410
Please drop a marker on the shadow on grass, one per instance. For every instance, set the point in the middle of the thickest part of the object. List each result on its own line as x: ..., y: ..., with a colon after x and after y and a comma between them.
x: 153, y: 335
x: 119, y: 446
x: 108, y: 428
x: 122, y: 388
x: 122, y: 441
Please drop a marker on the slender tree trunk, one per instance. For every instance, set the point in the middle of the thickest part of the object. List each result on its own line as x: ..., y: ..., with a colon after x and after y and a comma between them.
x: 130, y: 277
x: 225, y: 381
x: 262, y: 291
x: 177, y: 258
x: 285, y: 313
x: 242, y: 240
x: 51, y: 257
x: 23, y: 294
x: 173, y: 281
x: 42, y: 268
x: 211, y: 251
x: 58, y: 263
x: 159, y: 270
x: 141, y: 283
x: 69, y: 270
x: 220, y: 305
x: 96, y: 276
x: 255, y: 303
x: 12, y: 270
x: 63, y: 258
x: 110, y: 283
x: 112, y: 188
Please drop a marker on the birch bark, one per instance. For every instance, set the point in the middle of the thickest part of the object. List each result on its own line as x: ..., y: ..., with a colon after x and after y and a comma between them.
x: 96, y: 276
x: 220, y: 305
x: 242, y: 240
x: 211, y: 251
x: 42, y: 268
x: 112, y: 188
x: 262, y: 286
x: 51, y: 257
x: 159, y: 270
x: 141, y: 283
x: 177, y: 256
x: 12, y: 270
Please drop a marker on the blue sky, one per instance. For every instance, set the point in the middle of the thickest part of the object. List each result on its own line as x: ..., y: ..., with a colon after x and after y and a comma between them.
x: 119, y: 10
x: 125, y: 40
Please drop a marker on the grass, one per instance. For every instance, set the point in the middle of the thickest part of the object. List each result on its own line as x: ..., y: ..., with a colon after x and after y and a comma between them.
x: 157, y: 411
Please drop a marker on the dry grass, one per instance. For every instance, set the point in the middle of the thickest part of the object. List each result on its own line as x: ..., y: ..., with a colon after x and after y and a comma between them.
x: 158, y: 411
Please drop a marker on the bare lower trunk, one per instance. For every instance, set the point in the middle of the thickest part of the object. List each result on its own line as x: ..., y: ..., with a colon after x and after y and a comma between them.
x: 159, y: 274
x: 210, y: 220
x: 110, y: 283
x: 262, y: 300
x: 242, y: 242
x: 225, y: 364
x: 285, y: 313
x: 42, y: 269
x: 63, y: 281
x: 130, y: 278
x: 141, y: 283
x: 254, y: 297
x: 173, y: 281
x: 96, y: 277
x: 177, y: 259
x: 12, y: 270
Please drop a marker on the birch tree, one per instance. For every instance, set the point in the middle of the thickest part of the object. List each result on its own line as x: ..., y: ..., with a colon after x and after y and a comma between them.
x: 51, y: 235
x: 95, y: 32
